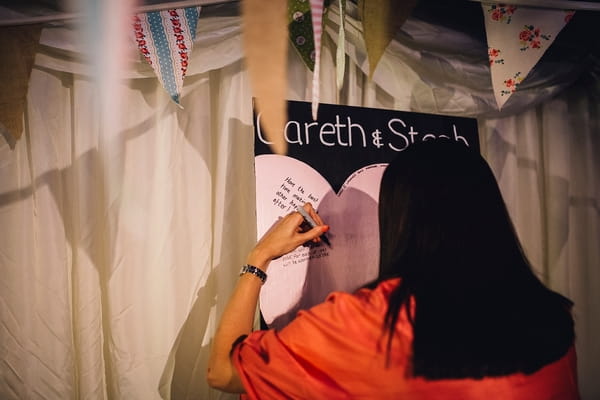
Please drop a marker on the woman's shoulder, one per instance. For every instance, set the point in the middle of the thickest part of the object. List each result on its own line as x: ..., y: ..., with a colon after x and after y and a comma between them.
x: 376, y: 295
x: 370, y: 303
x: 359, y: 314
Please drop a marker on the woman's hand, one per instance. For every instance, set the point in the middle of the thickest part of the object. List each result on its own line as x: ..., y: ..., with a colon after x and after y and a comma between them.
x: 238, y: 316
x: 284, y: 236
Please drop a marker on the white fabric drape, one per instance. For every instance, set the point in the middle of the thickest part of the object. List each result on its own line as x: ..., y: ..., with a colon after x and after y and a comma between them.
x: 117, y: 256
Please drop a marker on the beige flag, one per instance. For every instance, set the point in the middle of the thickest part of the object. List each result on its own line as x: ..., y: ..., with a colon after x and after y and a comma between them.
x: 18, y: 45
x: 381, y: 19
x: 265, y: 35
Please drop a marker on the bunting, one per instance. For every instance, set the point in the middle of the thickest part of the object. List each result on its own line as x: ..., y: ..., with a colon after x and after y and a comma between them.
x: 265, y: 33
x: 305, y: 27
x: 340, y: 54
x: 165, y: 40
x: 18, y: 45
x: 381, y: 19
x: 301, y: 31
x: 316, y: 14
x: 517, y: 37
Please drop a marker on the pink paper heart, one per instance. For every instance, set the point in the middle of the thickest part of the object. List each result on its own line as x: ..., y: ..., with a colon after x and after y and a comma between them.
x: 306, y: 276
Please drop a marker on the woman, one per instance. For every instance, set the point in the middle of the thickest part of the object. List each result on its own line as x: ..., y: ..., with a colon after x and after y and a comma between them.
x: 456, y: 313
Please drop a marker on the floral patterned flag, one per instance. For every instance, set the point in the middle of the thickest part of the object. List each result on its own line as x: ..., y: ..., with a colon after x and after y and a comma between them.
x: 517, y: 38
x: 165, y: 39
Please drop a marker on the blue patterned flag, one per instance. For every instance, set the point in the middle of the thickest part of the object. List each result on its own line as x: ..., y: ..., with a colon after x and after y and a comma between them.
x: 165, y: 39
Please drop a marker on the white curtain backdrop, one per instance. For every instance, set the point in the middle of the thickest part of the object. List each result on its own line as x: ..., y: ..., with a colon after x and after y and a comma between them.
x: 117, y: 255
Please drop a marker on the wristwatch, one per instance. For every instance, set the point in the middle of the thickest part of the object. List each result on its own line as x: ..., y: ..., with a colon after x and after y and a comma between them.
x: 251, y: 269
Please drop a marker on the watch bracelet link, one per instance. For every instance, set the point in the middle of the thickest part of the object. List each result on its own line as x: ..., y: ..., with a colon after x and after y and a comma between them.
x: 251, y: 269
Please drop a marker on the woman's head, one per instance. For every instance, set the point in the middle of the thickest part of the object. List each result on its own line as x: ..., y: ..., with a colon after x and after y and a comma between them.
x: 440, y: 207
x: 445, y: 231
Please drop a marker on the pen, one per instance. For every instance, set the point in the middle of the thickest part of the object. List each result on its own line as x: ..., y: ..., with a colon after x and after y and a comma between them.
x: 312, y: 223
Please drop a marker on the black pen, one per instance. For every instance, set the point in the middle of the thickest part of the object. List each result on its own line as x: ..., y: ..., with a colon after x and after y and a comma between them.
x: 312, y: 223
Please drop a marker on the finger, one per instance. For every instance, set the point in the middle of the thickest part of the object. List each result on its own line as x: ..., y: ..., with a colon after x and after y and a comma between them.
x: 304, y: 226
x: 294, y: 218
x: 313, y: 233
x: 309, y: 209
x: 313, y: 213
x: 317, y: 218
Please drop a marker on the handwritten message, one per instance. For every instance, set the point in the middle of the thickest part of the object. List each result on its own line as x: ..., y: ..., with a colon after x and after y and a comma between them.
x: 287, y: 198
x: 290, y: 195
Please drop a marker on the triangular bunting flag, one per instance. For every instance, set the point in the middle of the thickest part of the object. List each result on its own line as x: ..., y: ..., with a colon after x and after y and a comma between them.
x: 18, y: 45
x: 165, y: 39
x: 265, y: 36
x: 517, y: 38
x: 340, y: 55
x: 381, y: 19
x: 316, y: 13
x: 300, y: 28
x: 301, y: 31
x: 305, y: 31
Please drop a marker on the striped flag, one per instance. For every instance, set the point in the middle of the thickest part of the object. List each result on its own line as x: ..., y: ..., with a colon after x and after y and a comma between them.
x: 316, y: 13
x: 165, y: 40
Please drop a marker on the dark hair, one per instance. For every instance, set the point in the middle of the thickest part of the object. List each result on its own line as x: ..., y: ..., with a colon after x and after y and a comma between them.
x: 479, y: 308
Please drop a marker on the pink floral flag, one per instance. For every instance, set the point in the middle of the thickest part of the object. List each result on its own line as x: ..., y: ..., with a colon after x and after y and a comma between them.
x: 517, y: 38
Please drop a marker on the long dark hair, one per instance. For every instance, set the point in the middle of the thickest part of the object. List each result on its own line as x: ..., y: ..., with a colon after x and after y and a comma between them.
x: 445, y: 231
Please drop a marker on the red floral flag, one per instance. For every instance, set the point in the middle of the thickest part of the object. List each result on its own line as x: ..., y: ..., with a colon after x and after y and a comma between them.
x: 517, y: 38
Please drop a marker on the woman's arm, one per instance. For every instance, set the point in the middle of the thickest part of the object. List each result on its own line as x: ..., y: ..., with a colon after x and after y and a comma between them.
x: 238, y: 316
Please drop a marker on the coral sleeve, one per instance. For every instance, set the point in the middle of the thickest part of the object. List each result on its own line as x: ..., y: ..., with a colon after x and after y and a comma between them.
x: 322, y: 353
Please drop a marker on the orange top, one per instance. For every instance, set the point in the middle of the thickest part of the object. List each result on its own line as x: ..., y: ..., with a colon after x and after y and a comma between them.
x: 336, y: 350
